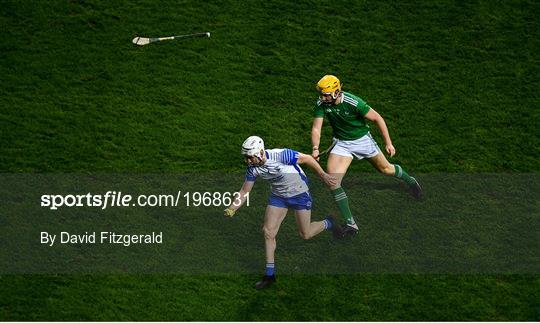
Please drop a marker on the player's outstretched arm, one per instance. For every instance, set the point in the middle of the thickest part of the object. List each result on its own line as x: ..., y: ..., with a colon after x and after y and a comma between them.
x: 328, y: 179
x: 316, y: 129
x: 375, y: 117
x: 237, y: 203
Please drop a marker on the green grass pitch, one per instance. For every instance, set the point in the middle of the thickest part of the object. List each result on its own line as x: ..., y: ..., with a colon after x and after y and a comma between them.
x: 457, y: 82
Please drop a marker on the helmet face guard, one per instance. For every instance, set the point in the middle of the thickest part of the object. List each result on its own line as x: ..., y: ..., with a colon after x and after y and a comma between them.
x: 254, y: 160
x: 334, y: 95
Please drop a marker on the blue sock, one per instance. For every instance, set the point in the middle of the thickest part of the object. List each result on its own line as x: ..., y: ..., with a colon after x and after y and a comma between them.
x: 270, y: 269
x: 327, y: 224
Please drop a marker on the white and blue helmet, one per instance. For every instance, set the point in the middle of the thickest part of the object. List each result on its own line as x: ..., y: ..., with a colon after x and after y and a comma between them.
x: 253, y: 146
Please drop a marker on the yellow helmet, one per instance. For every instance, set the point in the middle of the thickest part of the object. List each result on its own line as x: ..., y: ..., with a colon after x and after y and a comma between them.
x: 329, y: 84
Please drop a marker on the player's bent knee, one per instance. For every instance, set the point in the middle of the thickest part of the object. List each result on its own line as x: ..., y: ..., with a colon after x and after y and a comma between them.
x: 338, y: 183
x: 305, y: 235
x: 269, y: 233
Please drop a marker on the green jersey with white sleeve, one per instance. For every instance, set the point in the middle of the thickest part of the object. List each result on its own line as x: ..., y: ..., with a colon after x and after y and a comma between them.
x: 347, y: 118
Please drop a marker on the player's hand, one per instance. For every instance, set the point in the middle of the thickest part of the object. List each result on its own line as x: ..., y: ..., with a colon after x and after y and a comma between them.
x: 315, y: 154
x: 228, y: 212
x: 329, y: 180
x: 390, y: 150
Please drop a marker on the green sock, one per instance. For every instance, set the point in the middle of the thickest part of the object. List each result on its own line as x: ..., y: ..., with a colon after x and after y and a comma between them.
x: 401, y: 174
x: 343, y: 205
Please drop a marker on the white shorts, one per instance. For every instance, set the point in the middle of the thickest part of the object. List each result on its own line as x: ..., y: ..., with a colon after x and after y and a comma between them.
x: 364, y: 147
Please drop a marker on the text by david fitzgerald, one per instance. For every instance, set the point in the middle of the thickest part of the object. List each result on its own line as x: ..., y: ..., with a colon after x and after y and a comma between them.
x: 103, y: 237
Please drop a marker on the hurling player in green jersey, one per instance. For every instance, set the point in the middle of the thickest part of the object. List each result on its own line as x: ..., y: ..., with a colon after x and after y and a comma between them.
x: 348, y: 116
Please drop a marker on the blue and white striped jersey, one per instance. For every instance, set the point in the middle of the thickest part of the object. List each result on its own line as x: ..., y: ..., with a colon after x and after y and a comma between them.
x: 286, y: 177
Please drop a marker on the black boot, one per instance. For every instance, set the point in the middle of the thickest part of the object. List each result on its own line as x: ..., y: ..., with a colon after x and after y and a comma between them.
x: 265, y: 282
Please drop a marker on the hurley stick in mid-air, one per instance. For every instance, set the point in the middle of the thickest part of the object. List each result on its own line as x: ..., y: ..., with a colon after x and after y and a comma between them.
x: 141, y: 41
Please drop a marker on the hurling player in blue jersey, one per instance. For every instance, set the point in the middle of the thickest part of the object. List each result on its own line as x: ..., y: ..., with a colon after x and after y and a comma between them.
x: 289, y: 191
